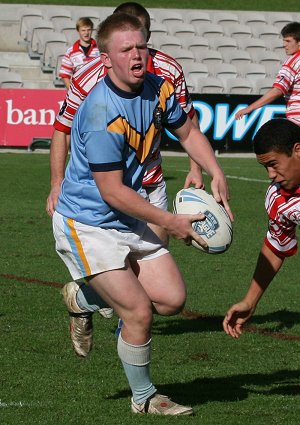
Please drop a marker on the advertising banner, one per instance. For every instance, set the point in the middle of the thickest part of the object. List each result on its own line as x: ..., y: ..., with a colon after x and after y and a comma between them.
x: 28, y: 114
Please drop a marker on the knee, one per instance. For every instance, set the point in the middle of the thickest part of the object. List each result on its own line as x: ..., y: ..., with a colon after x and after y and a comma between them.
x: 174, y: 304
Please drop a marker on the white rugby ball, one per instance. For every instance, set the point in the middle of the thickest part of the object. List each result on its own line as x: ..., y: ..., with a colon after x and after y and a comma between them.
x: 216, y: 229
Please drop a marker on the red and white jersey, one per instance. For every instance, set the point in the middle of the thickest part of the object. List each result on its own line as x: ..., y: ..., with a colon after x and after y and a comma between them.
x: 288, y: 81
x: 88, y: 76
x: 75, y: 57
x: 283, y: 209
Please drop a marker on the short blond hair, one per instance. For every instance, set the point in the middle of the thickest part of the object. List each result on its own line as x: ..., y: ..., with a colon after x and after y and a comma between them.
x: 84, y: 22
x: 117, y: 22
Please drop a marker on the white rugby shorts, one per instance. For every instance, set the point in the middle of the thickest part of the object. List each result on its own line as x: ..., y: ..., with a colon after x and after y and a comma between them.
x: 156, y: 195
x: 88, y: 250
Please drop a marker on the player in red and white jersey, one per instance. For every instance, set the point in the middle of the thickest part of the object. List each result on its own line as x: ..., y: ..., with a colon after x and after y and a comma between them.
x: 81, y: 52
x: 287, y: 82
x: 283, y: 208
x: 277, y: 148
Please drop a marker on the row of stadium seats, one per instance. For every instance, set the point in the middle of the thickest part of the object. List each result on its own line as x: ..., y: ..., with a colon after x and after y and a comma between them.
x: 214, y: 44
x: 168, y: 16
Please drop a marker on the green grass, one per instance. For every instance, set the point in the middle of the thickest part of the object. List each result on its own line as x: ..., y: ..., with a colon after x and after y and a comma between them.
x: 271, y: 5
x: 252, y: 381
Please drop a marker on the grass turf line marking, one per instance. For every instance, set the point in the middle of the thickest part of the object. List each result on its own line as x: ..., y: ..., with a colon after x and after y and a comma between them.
x: 31, y: 280
x: 247, y: 179
x: 185, y: 313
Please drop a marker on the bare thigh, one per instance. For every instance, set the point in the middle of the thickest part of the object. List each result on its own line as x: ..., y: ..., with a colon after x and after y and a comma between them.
x: 163, y: 283
x: 122, y: 290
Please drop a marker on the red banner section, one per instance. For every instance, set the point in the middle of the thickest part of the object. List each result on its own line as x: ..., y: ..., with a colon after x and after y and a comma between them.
x: 27, y: 114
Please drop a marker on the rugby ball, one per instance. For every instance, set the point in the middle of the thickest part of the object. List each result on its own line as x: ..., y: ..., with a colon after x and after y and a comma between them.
x: 216, y: 229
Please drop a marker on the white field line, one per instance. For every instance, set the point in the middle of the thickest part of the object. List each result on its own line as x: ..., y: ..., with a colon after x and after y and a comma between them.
x: 247, y: 179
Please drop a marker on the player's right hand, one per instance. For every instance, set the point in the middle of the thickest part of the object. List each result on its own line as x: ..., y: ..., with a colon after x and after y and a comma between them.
x: 181, y: 228
x: 236, y: 317
x: 52, y: 201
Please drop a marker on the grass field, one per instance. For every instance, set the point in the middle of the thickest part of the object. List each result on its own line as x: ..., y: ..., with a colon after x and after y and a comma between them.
x: 254, y: 380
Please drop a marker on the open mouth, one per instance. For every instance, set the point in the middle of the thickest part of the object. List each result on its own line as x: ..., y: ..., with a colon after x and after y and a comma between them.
x: 138, y: 70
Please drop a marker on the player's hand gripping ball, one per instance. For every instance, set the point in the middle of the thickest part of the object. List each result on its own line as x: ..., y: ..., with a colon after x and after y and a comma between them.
x: 216, y: 229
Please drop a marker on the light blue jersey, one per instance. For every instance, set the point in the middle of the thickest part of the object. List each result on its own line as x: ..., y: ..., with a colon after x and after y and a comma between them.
x: 115, y: 130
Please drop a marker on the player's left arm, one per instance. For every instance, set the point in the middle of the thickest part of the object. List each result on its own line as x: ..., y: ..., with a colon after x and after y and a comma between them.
x: 199, y: 149
x: 195, y: 176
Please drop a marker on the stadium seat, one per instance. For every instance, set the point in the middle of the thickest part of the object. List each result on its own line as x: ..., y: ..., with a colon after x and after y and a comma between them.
x: 163, y: 42
x: 238, y: 31
x: 223, y: 71
x: 253, y: 19
x: 237, y: 57
x: 209, y: 85
x: 191, y: 86
x: 63, y: 24
x: 168, y: 15
x: 195, y: 70
x: 4, y: 65
x: 251, y: 44
x: 253, y: 71
x: 27, y: 24
x: 210, y: 30
x: 280, y: 19
x: 198, y: 17
x: 266, y: 32
x: 263, y: 85
x: 238, y: 86
x: 223, y: 44
x: 180, y: 29
x: 57, y: 81
x: 225, y: 18
x: 52, y: 49
x: 59, y: 15
x: 158, y: 28
x: 267, y: 58
x: 276, y: 45
x: 195, y: 43
x: 39, y: 37
x: 272, y: 70
x: 88, y: 12
x: 209, y: 57
x: 180, y: 54
x: 10, y: 79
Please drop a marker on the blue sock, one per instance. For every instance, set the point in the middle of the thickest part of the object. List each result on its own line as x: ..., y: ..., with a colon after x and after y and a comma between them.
x: 136, y: 363
x: 89, y: 300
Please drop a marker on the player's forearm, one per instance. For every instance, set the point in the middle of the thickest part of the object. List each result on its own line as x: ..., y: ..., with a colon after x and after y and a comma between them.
x: 267, y: 98
x: 268, y: 265
x: 199, y: 149
x: 58, y: 156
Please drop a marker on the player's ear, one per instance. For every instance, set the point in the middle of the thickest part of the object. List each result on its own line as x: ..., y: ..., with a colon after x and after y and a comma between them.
x: 297, y: 149
x: 105, y: 59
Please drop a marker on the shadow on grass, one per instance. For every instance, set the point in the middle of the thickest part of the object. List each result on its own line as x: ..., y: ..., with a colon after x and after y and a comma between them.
x: 202, y: 322
x: 229, y: 389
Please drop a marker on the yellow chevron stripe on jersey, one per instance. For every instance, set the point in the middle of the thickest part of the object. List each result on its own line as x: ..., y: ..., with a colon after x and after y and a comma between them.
x: 166, y: 90
x: 141, y: 146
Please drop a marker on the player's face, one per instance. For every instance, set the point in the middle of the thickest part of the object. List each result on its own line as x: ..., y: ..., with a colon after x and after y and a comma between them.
x: 291, y: 45
x: 126, y: 59
x: 85, y: 34
x: 281, y: 168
